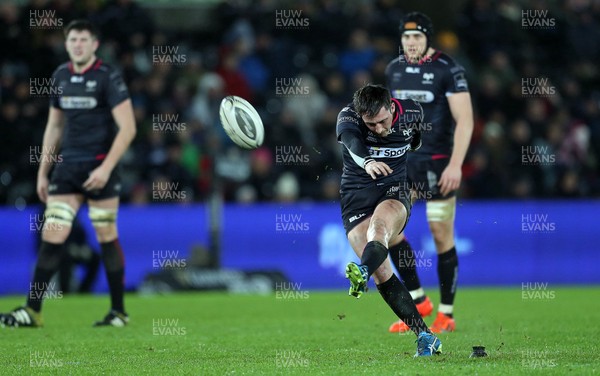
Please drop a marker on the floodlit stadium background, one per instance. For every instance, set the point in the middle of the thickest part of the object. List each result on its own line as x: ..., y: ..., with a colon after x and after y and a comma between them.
x: 191, y: 198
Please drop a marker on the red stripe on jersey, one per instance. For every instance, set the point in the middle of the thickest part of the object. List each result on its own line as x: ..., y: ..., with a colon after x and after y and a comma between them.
x: 94, y: 66
x: 98, y: 64
x: 400, y: 110
x: 439, y: 156
x: 433, y: 57
x: 100, y: 157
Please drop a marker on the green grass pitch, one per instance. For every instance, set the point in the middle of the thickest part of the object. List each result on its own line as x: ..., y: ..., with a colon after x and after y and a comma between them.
x: 306, y: 333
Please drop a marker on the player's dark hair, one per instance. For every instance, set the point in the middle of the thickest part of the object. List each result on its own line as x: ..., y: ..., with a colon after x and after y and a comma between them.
x: 82, y: 25
x: 369, y: 99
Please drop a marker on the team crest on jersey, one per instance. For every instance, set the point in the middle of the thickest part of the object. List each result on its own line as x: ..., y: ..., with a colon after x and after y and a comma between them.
x: 90, y: 86
x: 427, y: 78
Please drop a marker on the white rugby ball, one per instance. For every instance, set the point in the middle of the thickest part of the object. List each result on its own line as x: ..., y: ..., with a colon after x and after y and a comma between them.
x: 241, y: 122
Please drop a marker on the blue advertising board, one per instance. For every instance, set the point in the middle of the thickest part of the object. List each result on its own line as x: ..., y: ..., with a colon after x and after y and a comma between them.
x: 499, y: 242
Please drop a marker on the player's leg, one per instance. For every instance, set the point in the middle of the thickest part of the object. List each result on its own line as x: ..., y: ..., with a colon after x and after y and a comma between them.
x: 103, y: 215
x: 58, y: 218
x: 92, y: 265
x: 389, y: 218
x: 370, y: 240
x: 403, y: 259
x: 401, y: 252
x: 387, y: 222
x: 440, y: 215
x: 59, y: 214
x: 391, y: 289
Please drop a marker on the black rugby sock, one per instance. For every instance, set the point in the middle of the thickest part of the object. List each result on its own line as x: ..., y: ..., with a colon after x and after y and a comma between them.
x: 448, y: 275
x: 114, y: 264
x: 47, y: 264
x: 398, y: 298
x: 373, y: 256
x: 404, y: 260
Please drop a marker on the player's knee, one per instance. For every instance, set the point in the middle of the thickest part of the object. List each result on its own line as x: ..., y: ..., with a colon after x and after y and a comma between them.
x: 440, y: 230
x: 104, y: 222
x: 378, y: 230
x: 106, y: 234
x: 58, y: 220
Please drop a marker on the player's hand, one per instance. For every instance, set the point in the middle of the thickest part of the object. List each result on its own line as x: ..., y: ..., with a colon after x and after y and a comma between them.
x: 42, y: 188
x: 97, y: 179
x: 450, y: 179
x: 377, y: 168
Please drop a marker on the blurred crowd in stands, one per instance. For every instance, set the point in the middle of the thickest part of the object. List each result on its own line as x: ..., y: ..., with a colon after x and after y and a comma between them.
x: 534, y: 79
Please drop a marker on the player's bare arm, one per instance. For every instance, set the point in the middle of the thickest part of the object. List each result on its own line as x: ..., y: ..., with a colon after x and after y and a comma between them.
x: 462, y: 112
x: 123, y: 115
x: 50, y: 145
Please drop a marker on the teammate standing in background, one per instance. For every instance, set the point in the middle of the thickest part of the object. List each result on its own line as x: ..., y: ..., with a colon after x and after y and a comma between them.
x: 91, y: 123
x: 375, y: 198
x: 434, y: 171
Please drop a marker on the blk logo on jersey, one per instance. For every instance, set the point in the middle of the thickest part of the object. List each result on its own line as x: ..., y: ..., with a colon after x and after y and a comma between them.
x: 356, y: 217
x: 416, y: 70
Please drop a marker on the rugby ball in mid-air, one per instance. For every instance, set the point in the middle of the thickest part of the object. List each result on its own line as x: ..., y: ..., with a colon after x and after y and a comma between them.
x: 241, y: 122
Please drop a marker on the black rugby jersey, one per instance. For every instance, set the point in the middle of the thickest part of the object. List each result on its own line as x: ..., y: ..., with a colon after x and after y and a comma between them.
x: 429, y: 82
x: 391, y: 149
x: 87, y: 99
